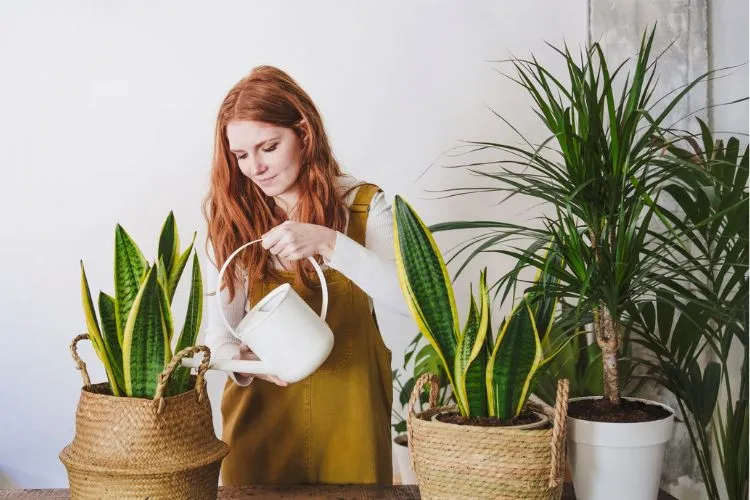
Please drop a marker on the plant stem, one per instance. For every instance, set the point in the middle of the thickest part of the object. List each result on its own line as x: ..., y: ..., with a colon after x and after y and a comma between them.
x: 607, y: 331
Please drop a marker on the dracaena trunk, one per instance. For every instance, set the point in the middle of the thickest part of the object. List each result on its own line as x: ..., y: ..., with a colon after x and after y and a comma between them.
x: 607, y: 330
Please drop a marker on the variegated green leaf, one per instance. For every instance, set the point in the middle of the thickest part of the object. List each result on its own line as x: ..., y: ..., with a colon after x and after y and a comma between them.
x: 176, y: 271
x: 162, y: 274
x: 130, y: 268
x: 145, y: 344
x: 426, y: 285
x: 95, y: 335
x: 463, y: 353
x: 112, y: 344
x: 169, y: 243
x: 181, y: 378
x: 167, y: 320
x: 471, y: 360
x: 514, y: 362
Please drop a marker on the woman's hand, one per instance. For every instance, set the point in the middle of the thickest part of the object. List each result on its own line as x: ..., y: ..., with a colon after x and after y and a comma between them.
x: 292, y: 241
x: 243, y: 378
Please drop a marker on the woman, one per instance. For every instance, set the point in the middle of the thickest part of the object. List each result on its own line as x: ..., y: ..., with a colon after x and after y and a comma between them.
x: 274, y: 177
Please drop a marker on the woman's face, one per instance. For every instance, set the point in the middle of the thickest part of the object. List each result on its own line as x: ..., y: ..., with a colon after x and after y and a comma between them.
x: 267, y: 154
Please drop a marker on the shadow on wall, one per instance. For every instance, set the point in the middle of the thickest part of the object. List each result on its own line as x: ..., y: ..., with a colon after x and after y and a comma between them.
x: 11, y: 478
x: 5, y: 481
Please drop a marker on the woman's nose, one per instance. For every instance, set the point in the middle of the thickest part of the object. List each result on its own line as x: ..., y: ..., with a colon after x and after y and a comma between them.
x: 257, y: 168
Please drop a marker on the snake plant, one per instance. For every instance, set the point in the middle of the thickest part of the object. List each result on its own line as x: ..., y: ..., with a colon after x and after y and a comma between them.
x: 490, y: 376
x: 135, y: 337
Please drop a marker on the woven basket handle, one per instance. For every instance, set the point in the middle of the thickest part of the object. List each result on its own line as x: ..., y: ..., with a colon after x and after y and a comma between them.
x: 161, y: 386
x: 434, y: 392
x: 80, y: 364
x: 557, y: 445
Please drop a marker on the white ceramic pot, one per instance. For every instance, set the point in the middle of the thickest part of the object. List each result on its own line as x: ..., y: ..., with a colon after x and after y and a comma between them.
x: 613, y: 461
x: 401, y: 455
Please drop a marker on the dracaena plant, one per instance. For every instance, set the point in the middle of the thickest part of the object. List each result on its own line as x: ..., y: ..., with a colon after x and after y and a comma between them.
x: 489, y: 375
x: 597, y: 177
x: 133, y: 334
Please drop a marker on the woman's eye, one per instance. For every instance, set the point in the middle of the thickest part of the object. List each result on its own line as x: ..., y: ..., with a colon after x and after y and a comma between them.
x: 242, y: 156
x: 270, y: 148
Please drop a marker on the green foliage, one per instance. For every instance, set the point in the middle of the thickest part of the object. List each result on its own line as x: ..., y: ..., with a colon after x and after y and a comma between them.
x: 598, y: 178
x: 488, y: 377
x: 713, y: 320
x: 134, y: 342
x: 419, y: 358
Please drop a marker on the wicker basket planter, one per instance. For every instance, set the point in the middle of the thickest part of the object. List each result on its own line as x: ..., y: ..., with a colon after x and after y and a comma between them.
x: 463, y: 461
x: 126, y: 448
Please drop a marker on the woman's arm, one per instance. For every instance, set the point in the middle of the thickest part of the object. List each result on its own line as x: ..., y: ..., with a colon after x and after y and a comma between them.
x: 372, y: 267
x: 222, y: 343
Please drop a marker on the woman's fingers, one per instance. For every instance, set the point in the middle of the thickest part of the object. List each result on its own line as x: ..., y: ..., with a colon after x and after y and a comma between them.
x: 279, y: 247
x: 247, y: 354
x: 275, y: 235
x: 272, y: 238
x: 274, y: 379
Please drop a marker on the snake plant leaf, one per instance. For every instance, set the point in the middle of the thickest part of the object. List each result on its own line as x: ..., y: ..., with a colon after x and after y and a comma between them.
x: 176, y: 270
x: 112, y: 343
x: 169, y: 242
x: 167, y: 320
x: 471, y: 360
x: 130, y: 268
x: 145, y: 346
x: 425, y: 283
x: 515, y: 359
x: 181, y: 378
x: 95, y: 335
x: 463, y: 353
x: 161, y: 273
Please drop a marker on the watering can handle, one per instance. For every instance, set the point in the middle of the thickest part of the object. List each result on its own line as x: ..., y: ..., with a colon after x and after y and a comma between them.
x: 318, y: 270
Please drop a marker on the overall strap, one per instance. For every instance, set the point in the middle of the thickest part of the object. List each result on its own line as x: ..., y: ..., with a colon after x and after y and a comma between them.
x: 359, y: 210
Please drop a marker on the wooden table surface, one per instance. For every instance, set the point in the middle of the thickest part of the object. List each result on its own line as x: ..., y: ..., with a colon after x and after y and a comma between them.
x: 395, y: 492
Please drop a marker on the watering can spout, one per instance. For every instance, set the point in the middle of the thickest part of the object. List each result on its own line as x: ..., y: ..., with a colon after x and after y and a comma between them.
x: 233, y: 365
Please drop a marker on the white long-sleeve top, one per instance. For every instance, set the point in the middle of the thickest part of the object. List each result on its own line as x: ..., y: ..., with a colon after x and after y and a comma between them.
x: 371, y: 267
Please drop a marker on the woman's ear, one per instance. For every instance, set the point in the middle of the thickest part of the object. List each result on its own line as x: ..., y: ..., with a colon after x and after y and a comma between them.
x: 303, y: 131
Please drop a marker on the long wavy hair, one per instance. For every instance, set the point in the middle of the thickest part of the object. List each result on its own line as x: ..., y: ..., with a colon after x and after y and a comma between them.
x: 236, y: 210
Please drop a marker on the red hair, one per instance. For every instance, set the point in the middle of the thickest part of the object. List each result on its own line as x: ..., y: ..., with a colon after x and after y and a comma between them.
x: 237, y: 211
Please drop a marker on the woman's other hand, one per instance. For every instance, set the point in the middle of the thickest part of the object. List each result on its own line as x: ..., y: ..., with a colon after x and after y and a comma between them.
x: 292, y: 241
x: 247, y: 354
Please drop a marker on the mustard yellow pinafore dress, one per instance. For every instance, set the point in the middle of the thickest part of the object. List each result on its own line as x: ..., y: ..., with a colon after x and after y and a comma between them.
x: 334, y: 426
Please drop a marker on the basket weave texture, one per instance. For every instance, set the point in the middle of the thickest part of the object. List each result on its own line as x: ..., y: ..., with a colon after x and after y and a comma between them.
x: 144, y: 448
x: 465, y: 461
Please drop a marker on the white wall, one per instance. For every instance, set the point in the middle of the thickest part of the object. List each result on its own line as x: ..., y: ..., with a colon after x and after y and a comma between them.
x: 728, y: 46
x: 107, y: 112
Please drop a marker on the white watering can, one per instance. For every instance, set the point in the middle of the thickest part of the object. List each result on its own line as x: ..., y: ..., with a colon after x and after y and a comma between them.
x: 290, y: 339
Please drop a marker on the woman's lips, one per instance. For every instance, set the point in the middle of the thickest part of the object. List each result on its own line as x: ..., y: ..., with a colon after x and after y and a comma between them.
x: 267, y: 181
